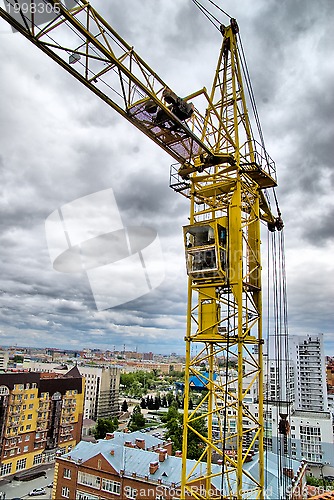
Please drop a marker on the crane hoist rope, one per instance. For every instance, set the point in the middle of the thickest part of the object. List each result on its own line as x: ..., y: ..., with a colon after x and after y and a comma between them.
x: 225, y: 173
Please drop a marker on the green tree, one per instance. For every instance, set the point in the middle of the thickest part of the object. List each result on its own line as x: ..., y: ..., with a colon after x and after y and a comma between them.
x: 170, y: 398
x: 173, y: 421
x: 18, y: 359
x: 174, y: 426
x: 143, y: 403
x: 313, y: 481
x: 105, y: 425
x: 137, y: 420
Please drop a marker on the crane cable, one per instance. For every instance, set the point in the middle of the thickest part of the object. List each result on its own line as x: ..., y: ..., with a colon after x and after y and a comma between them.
x: 209, y: 15
x: 280, y: 341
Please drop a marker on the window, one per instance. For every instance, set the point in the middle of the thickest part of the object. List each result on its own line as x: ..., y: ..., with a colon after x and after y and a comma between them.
x: 32, y: 396
x: 6, y: 469
x: 30, y: 416
x: 81, y: 495
x: 111, y: 486
x: 130, y: 492
x: 25, y: 449
x: 28, y: 427
x: 65, y: 492
x: 89, y: 480
x: 27, y: 437
x: 38, y: 459
x: 31, y: 406
x: 21, y: 464
x: 67, y: 473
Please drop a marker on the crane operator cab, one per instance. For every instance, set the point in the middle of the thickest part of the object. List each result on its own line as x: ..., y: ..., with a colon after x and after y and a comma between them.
x: 205, y: 247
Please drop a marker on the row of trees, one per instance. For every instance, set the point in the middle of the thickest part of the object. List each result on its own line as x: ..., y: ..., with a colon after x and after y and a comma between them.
x: 165, y: 401
x: 156, y: 402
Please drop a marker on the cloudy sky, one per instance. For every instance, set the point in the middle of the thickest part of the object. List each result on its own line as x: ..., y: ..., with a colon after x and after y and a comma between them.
x: 60, y: 143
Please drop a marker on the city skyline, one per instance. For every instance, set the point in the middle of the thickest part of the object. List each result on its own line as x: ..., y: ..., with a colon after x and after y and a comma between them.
x: 60, y: 143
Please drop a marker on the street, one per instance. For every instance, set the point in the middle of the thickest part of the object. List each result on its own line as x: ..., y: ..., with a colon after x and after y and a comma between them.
x: 21, y: 489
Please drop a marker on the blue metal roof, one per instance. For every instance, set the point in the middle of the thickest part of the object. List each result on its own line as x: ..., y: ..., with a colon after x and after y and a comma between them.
x: 200, y: 381
x: 136, y: 460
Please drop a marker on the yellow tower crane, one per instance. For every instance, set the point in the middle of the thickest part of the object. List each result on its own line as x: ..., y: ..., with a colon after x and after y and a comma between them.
x: 225, y: 174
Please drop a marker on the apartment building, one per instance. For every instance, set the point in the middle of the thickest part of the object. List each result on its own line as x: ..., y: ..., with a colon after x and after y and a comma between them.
x: 102, y: 391
x: 136, y: 465
x: 40, y: 415
x: 101, y: 386
x: 329, y: 373
x: 308, y: 358
x: 303, y: 397
x: 4, y: 358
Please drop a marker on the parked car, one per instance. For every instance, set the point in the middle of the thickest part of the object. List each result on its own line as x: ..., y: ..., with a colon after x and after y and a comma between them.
x: 50, y: 485
x: 37, y: 491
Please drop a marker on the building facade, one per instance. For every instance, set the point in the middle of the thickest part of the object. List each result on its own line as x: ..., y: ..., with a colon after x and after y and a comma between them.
x: 308, y: 358
x: 4, y: 358
x: 101, y: 387
x: 136, y: 465
x: 304, y: 400
x: 39, y: 417
x: 102, y: 391
x: 127, y: 466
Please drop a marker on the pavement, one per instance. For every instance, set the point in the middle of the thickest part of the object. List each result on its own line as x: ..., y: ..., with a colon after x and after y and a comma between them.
x: 12, y: 489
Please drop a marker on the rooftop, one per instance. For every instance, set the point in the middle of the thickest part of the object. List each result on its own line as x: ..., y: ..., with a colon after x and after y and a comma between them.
x: 132, y: 460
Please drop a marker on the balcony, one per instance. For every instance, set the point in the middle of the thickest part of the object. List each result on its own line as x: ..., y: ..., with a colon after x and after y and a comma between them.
x: 40, y: 428
x: 45, y: 407
x: 42, y: 417
x: 66, y: 425
x: 15, y: 410
x: 13, y: 424
x: 11, y: 446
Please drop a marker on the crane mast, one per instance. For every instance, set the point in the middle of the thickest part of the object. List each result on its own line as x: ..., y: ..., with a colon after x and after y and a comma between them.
x: 224, y: 173
x: 224, y: 318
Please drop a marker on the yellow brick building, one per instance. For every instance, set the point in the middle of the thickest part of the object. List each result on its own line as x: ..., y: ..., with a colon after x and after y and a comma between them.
x: 40, y: 416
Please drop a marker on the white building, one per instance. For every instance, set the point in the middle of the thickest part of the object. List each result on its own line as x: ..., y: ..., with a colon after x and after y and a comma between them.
x: 102, y: 391
x: 303, y: 397
x: 4, y: 358
x: 308, y: 358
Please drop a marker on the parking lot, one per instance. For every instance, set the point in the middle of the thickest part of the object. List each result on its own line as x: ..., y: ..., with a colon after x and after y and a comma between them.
x: 21, y: 489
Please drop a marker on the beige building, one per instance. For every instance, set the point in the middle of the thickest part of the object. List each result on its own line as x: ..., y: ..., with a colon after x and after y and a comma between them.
x: 40, y: 415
